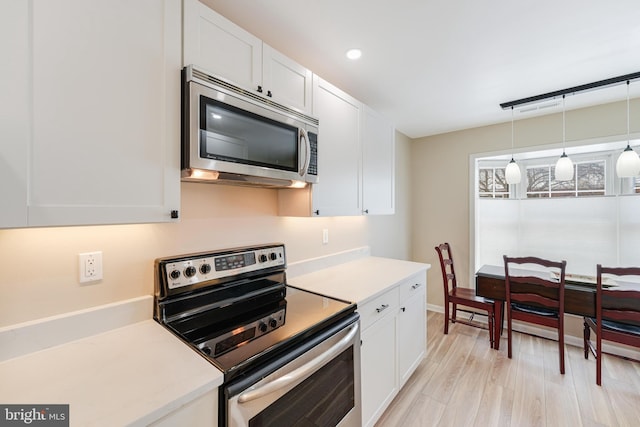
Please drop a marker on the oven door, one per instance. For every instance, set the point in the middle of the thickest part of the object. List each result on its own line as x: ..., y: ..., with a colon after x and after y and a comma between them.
x: 319, y: 387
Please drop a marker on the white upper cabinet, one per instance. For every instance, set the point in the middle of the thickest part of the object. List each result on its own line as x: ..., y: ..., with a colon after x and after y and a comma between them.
x: 14, y: 112
x: 217, y: 45
x: 288, y: 82
x: 378, y: 164
x: 220, y: 47
x: 101, y: 82
x: 356, y: 160
x: 338, y: 192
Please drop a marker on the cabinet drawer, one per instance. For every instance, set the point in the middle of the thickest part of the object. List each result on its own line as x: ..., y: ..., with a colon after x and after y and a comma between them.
x: 378, y: 308
x: 412, y: 286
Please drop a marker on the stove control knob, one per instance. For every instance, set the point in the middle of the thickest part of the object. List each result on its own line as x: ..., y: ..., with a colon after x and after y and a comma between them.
x: 273, y: 256
x: 175, y: 274
x: 262, y: 327
x: 206, y: 350
x: 273, y: 322
x: 263, y: 258
x: 205, y: 268
x: 190, y: 271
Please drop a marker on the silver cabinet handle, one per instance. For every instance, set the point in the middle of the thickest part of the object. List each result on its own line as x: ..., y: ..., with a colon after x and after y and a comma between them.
x: 303, y: 371
x: 416, y: 286
x: 382, y: 307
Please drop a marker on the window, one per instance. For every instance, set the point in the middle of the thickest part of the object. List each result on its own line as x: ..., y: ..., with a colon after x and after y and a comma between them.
x: 591, y: 180
x: 492, y: 183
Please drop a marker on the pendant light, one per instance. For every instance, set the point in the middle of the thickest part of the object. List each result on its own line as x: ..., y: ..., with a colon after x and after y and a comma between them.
x: 564, y: 166
x: 512, y: 172
x: 628, y: 163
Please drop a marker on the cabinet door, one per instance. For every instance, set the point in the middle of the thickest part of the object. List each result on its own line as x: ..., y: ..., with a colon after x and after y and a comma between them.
x: 14, y: 112
x: 105, y: 119
x: 220, y: 47
x: 288, y: 82
x: 378, y: 164
x: 378, y: 358
x: 411, y: 334
x: 338, y: 192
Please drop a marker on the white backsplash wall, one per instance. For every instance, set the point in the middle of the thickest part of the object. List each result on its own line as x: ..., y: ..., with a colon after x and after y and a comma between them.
x: 40, y: 266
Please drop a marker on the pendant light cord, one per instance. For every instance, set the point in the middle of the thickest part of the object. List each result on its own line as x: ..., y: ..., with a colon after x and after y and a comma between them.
x: 563, y: 126
x: 628, y: 131
x: 511, y: 133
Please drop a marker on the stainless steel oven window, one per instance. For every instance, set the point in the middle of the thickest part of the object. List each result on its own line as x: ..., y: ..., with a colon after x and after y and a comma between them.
x: 319, y: 388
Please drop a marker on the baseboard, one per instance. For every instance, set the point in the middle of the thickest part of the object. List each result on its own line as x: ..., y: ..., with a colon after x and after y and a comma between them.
x: 526, y: 328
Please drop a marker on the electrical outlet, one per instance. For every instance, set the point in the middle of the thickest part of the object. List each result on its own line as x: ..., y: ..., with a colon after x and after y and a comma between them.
x: 325, y: 236
x: 90, y: 266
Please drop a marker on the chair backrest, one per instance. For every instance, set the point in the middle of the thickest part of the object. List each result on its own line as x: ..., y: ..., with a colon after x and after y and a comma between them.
x: 533, y: 287
x: 446, y: 265
x: 618, y: 303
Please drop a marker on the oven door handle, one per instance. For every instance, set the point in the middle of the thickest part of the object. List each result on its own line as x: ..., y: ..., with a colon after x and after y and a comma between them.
x: 303, y: 371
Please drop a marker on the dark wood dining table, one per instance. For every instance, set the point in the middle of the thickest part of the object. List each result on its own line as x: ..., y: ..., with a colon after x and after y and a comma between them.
x: 579, y: 294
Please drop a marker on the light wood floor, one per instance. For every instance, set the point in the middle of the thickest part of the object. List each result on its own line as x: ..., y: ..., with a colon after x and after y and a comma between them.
x: 462, y: 382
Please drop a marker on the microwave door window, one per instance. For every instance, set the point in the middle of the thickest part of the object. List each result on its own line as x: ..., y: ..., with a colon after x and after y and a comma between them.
x: 232, y: 134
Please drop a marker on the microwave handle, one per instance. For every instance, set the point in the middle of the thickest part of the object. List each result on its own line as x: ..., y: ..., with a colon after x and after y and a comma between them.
x: 307, y: 151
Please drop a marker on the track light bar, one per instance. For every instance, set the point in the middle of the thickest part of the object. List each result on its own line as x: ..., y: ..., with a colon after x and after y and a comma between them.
x: 572, y: 90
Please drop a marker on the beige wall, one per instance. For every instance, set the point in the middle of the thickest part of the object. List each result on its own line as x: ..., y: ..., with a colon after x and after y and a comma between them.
x: 40, y: 266
x: 440, y: 175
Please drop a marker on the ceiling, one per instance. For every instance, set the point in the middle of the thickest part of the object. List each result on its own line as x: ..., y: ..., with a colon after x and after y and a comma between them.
x: 438, y: 66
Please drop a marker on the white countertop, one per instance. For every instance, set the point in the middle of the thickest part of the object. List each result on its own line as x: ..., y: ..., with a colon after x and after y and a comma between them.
x: 116, y: 367
x: 131, y: 375
x: 360, y: 280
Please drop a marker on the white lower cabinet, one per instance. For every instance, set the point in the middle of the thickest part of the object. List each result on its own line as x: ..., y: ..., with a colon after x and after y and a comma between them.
x: 411, y: 326
x: 378, y: 355
x: 393, y: 343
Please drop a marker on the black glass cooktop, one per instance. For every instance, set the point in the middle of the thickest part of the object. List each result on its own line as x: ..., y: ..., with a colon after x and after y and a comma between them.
x: 300, y: 315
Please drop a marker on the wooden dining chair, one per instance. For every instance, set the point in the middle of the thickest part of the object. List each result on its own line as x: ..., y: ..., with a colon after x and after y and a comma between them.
x: 537, y: 299
x: 617, y: 315
x: 455, y: 295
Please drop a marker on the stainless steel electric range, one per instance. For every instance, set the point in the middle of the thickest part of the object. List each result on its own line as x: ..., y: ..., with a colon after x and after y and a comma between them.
x: 289, y: 356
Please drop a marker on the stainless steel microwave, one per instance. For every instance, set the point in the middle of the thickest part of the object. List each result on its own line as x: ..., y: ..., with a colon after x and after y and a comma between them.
x: 234, y: 136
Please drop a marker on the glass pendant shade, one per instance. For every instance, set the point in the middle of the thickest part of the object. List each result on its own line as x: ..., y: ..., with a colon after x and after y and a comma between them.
x: 512, y: 172
x: 564, y: 168
x: 628, y: 164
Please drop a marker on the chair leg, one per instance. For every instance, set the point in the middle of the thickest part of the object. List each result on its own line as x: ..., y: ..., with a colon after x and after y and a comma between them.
x: 491, y: 321
x: 446, y: 317
x: 586, y: 337
x: 598, y: 360
x: 561, y: 349
x: 454, y: 312
x: 508, y: 334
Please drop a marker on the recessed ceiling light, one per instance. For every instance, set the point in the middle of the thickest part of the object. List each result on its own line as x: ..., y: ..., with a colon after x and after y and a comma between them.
x: 354, y: 53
